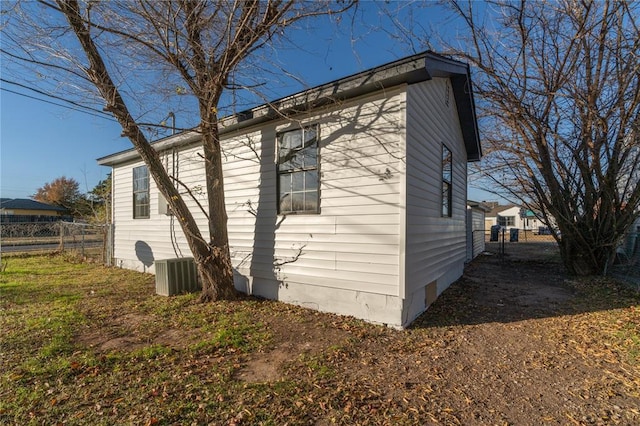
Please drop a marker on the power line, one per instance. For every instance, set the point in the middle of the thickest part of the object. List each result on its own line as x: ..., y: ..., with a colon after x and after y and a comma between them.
x: 49, y: 95
x: 76, y: 106
x: 57, y: 104
x: 91, y: 111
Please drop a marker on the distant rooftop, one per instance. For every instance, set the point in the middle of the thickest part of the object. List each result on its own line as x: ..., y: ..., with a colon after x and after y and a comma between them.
x: 27, y: 204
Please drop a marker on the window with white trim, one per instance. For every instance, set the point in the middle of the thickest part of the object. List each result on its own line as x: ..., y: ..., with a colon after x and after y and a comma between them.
x: 298, y: 178
x: 446, y: 188
x: 141, y: 200
x: 507, y: 220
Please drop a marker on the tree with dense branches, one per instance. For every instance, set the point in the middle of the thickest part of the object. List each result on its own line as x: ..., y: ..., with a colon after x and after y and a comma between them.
x: 116, y: 50
x: 559, y: 95
x: 63, y: 192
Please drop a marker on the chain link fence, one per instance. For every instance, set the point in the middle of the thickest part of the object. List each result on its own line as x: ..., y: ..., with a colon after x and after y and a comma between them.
x: 626, y: 265
x: 89, y: 241
x: 507, y: 241
x: 529, y: 244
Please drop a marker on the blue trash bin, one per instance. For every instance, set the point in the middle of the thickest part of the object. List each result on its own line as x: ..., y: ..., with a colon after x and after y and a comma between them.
x: 495, y: 231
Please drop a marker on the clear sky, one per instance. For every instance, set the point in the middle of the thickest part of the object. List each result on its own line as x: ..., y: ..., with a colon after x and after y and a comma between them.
x: 40, y: 141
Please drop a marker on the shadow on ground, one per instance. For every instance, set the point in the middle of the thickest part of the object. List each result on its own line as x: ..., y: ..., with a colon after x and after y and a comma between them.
x: 528, y: 282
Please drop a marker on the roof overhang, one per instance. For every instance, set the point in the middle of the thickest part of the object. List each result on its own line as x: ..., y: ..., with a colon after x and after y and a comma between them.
x: 28, y: 204
x: 410, y: 70
x: 478, y: 205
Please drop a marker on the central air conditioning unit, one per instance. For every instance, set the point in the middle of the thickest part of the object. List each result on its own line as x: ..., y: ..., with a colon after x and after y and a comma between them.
x: 176, y: 276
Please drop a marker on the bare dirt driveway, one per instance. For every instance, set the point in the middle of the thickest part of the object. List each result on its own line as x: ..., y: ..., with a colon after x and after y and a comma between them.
x: 513, y: 342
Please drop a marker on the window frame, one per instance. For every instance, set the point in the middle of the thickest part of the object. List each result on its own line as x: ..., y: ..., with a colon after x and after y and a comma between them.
x: 507, y: 221
x: 304, y: 170
x: 139, y: 211
x: 446, y: 182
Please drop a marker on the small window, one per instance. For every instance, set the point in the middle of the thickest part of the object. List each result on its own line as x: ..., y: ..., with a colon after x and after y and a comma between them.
x: 446, y: 181
x: 298, y: 171
x: 507, y: 220
x: 141, y: 192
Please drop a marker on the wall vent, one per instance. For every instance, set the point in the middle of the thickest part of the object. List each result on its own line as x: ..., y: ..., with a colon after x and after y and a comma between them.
x: 176, y: 276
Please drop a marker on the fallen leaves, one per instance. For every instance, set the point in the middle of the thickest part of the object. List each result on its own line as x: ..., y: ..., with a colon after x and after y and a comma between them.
x: 464, y: 362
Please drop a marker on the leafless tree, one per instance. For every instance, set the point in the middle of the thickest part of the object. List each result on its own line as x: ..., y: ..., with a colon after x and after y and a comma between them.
x: 124, y: 50
x: 559, y: 93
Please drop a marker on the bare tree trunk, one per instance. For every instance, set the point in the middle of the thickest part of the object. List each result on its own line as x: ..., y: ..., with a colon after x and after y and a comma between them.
x: 212, y: 261
x: 583, y: 259
x: 197, y: 43
x: 219, y: 279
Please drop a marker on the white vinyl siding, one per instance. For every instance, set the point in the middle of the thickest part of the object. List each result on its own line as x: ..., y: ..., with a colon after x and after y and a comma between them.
x: 353, y: 242
x: 138, y: 244
x: 435, y: 245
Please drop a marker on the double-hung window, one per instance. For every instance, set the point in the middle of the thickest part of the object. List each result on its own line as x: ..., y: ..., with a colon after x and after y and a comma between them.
x: 298, y: 171
x: 507, y: 220
x: 447, y: 164
x: 141, y: 192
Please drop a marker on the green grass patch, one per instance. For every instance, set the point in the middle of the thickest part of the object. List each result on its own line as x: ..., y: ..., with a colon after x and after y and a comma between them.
x: 151, y: 352
x: 629, y: 337
x: 85, y: 344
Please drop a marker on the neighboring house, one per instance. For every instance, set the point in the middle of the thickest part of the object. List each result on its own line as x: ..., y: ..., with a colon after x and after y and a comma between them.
x: 512, y: 216
x: 476, y: 230
x: 20, y: 210
x: 351, y: 198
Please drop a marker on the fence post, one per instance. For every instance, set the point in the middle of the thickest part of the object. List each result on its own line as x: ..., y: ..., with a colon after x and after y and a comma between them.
x: 61, y: 225
x: 109, y: 245
x: 82, y: 243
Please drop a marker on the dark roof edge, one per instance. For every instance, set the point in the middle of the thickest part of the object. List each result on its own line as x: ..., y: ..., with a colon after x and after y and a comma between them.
x: 182, y: 138
x: 28, y: 204
x: 413, y: 69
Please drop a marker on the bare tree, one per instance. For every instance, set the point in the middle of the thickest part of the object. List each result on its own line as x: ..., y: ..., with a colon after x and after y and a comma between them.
x: 177, y: 47
x: 559, y: 90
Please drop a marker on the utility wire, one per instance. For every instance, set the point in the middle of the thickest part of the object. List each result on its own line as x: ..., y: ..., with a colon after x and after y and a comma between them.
x: 41, y: 92
x: 76, y: 106
x: 57, y: 104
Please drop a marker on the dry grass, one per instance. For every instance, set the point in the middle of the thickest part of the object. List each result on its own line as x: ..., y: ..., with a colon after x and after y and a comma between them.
x: 84, y: 344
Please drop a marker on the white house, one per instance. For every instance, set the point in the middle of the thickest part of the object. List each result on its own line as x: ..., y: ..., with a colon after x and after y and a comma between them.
x: 512, y: 216
x: 350, y: 198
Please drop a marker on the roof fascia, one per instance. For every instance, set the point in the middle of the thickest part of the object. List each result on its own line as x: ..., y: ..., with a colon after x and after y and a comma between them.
x: 413, y: 69
x: 159, y: 145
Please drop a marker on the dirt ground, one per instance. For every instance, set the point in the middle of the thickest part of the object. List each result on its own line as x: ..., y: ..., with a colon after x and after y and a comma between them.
x: 514, y: 341
x: 507, y: 344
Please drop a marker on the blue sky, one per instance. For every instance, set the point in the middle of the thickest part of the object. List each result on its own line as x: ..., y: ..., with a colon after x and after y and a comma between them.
x: 40, y: 141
